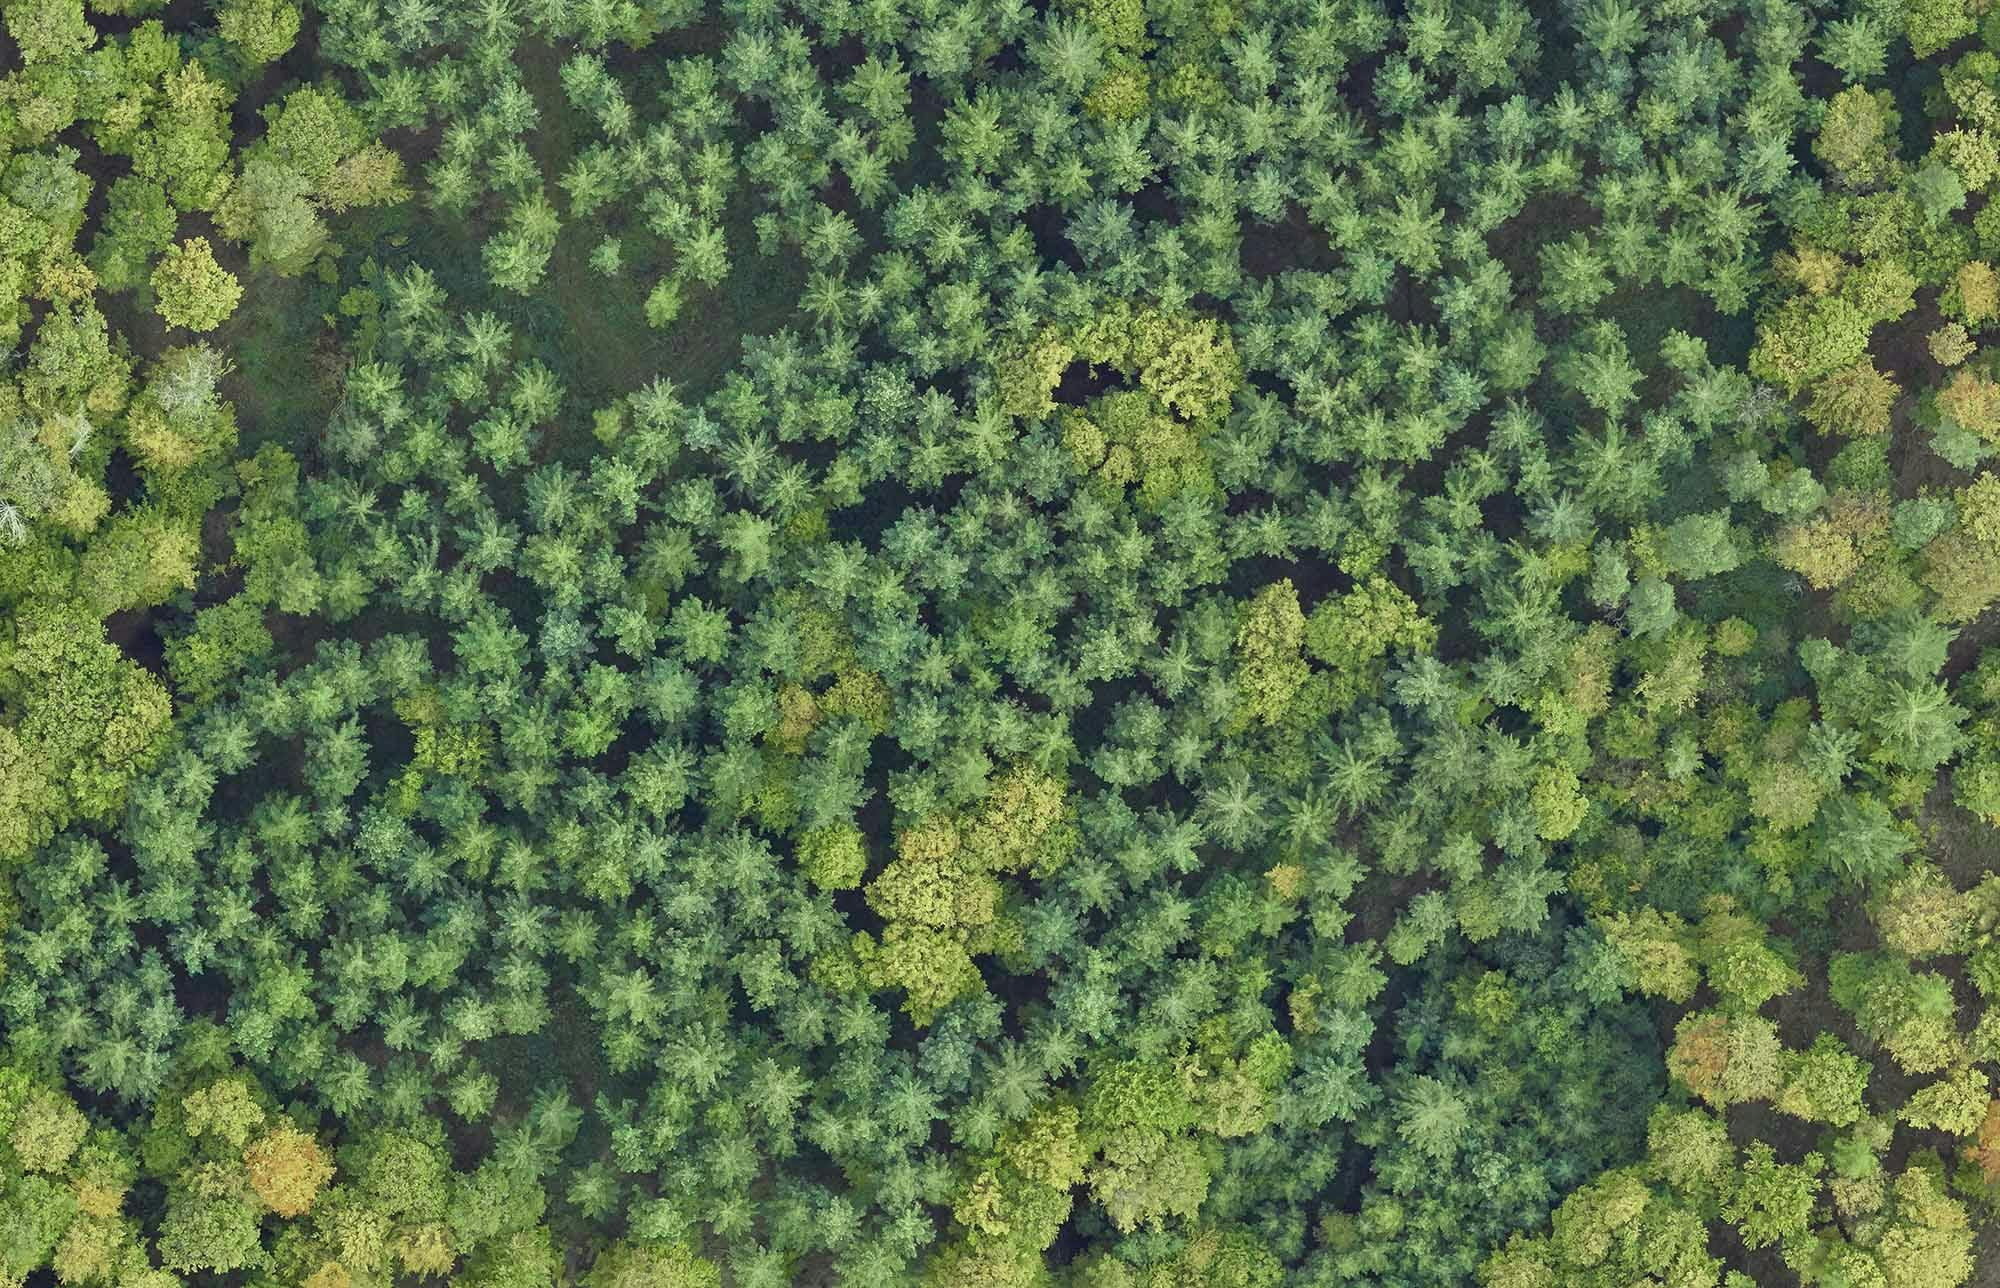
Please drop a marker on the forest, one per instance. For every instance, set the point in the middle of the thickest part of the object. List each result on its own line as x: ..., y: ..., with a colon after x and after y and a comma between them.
x: 999, y: 643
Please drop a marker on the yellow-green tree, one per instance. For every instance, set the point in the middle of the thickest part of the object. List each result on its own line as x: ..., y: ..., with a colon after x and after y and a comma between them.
x: 260, y: 31
x: 1853, y: 401
x: 190, y: 289
x: 1270, y: 667
x: 941, y: 895
x: 81, y: 720
x: 1857, y: 137
x: 1354, y: 632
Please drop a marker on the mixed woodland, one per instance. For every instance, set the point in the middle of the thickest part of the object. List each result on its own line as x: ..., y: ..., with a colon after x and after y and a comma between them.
x: 1001, y: 644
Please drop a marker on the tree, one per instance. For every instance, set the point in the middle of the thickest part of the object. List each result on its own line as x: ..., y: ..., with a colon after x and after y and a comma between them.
x: 1615, y: 1228
x: 1773, y: 1202
x: 1654, y: 953
x: 1921, y: 914
x: 1938, y: 190
x: 1726, y: 1058
x: 1808, y: 338
x: 192, y: 290
x: 288, y: 1168
x: 48, y: 31
x: 1955, y: 1103
x: 1949, y: 345
x: 1929, y: 1242
x: 1699, y: 545
x: 1962, y: 567
x: 316, y: 156
x: 1853, y: 401
x: 1267, y: 647
x: 651, y: 1265
x: 47, y: 1130
x: 184, y: 146
x: 138, y: 559
x: 226, y: 1109
x: 1148, y: 1168
x: 833, y: 857
x: 1933, y: 24
x: 260, y: 31
x: 1109, y: 567
x: 138, y: 225
x: 1573, y: 275
x: 87, y: 720
x: 1911, y: 1014
x: 1689, y: 1150
x: 209, y: 1233
x: 177, y: 420
x: 1824, y: 1083
x: 1857, y: 137
x: 1433, y: 1117
x: 1861, y: 839
x: 1857, y: 46
x: 1352, y: 633
x: 39, y: 481
x: 517, y: 256
x: 1974, y: 297
x: 522, y: 1259
x: 1830, y: 548
x: 74, y: 366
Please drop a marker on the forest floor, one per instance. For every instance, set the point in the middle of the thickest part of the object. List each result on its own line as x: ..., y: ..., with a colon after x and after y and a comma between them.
x: 603, y: 342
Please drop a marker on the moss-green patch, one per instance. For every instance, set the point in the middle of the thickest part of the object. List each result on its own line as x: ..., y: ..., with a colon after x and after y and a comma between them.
x: 594, y: 326
x: 283, y: 385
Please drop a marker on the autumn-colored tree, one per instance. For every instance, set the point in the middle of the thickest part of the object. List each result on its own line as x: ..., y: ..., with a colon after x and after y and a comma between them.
x: 1726, y: 1059
x: 1922, y: 914
x: 1853, y: 401
x: 1974, y: 297
x: 1949, y: 345
x: 288, y: 1168
x: 1830, y: 548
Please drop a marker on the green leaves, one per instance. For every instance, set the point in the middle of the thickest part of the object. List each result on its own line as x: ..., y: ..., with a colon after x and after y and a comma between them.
x: 1432, y: 1117
x: 1208, y: 556
x: 48, y: 30
x: 518, y: 255
x: 87, y: 721
x: 1268, y: 645
x: 192, y: 290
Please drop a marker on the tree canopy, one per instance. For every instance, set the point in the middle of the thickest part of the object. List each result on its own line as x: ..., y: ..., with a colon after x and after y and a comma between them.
x: 1109, y: 644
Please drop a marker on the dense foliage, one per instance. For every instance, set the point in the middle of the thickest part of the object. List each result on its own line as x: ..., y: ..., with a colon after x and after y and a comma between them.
x: 1114, y: 644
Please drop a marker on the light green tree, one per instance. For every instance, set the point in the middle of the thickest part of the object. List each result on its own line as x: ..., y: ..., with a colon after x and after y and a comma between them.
x: 190, y: 289
x: 260, y: 31
x: 1270, y: 667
